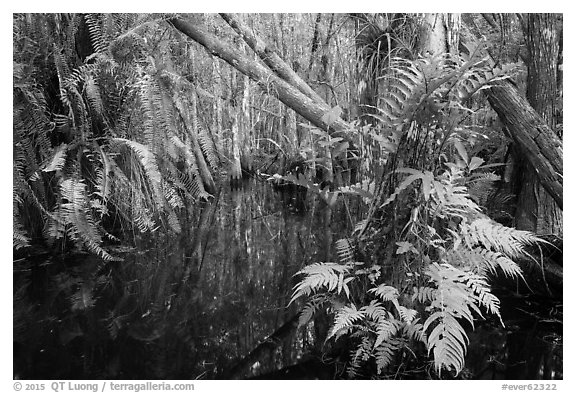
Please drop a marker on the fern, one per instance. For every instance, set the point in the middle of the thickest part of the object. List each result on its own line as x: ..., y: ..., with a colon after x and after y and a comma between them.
x: 330, y: 276
x: 345, y: 318
x: 94, y: 22
x: 58, y: 159
x: 414, y: 331
x: 385, y: 292
x: 193, y: 183
x: 385, y: 329
x: 359, y: 356
x: 93, y: 96
x: 494, y: 236
x: 448, y: 340
x: 148, y: 161
x: 19, y: 237
x: 385, y: 352
x: 375, y: 311
x: 75, y: 213
x: 345, y: 251
x: 456, y: 296
x: 310, y: 308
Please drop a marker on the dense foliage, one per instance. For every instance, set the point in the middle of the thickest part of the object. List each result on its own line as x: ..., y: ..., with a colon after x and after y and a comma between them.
x: 121, y: 125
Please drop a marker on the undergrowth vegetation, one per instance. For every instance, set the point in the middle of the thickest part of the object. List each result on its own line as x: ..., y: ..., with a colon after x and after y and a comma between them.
x: 112, y: 137
x: 421, y: 299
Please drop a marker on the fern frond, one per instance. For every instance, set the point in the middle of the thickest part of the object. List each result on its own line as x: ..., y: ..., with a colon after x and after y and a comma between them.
x: 414, y: 175
x: 94, y: 23
x: 207, y: 146
x: 171, y: 196
x: 19, y: 237
x: 485, y: 297
x: 375, y: 311
x: 385, y: 292
x: 490, y: 260
x: 495, y: 236
x: 345, y: 318
x: 321, y: 275
x: 406, y: 314
x: 345, y: 250
x: 75, y: 212
x: 424, y: 294
x: 148, y: 161
x: 384, y: 353
x: 173, y: 222
x: 415, y: 331
x: 448, y: 340
x: 385, y: 329
x: 310, y: 308
x: 93, y: 96
x: 359, y: 356
x: 58, y: 159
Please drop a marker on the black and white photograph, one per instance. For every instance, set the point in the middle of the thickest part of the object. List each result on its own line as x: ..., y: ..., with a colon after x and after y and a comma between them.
x: 287, y: 196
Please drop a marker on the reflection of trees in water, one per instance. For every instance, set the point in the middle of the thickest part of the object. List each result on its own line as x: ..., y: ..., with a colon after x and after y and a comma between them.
x: 194, y: 306
x: 175, y: 307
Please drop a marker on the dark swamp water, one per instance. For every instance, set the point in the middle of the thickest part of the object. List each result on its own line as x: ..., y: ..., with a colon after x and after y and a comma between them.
x: 211, y: 303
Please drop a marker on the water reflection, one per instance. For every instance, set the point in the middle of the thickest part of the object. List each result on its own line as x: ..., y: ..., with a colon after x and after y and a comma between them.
x: 187, y: 306
x: 194, y: 305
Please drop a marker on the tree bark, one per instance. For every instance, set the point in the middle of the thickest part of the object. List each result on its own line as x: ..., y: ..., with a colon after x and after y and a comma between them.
x: 540, y: 146
x: 270, y: 58
x: 270, y: 83
x: 536, y: 210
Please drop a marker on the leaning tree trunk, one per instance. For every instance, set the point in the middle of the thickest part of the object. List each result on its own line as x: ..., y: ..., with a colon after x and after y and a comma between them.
x: 269, y: 56
x: 539, y: 145
x: 305, y: 106
x: 537, y: 210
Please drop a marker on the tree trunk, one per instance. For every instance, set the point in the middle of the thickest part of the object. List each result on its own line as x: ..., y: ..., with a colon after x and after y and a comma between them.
x: 308, y: 108
x: 433, y: 34
x: 537, y: 211
x: 217, y: 120
x: 539, y: 145
x: 270, y: 58
x: 246, y: 126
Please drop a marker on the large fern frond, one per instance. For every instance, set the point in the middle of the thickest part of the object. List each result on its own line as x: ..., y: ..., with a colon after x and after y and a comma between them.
x: 497, y: 237
x: 327, y: 275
